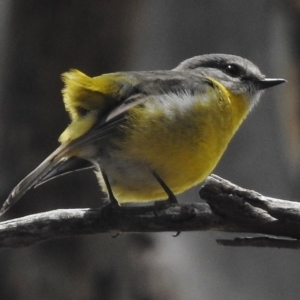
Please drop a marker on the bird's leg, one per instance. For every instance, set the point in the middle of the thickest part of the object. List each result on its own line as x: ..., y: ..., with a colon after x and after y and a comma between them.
x: 171, y: 196
x: 113, y: 201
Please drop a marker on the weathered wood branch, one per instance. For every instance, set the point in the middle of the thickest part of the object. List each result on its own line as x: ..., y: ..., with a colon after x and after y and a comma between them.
x: 229, y: 208
x: 261, y: 242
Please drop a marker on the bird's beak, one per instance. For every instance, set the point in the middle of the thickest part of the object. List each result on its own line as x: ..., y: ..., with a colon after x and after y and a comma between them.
x: 268, y: 82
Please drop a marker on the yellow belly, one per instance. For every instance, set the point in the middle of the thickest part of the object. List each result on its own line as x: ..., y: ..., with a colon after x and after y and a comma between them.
x: 182, y: 149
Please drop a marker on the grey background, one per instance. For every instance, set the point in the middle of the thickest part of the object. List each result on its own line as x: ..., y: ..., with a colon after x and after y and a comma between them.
x: 39, y: 40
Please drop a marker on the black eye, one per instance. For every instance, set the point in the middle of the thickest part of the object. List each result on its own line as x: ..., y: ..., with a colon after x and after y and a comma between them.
x: 82, y: 111
x: 233, y: 70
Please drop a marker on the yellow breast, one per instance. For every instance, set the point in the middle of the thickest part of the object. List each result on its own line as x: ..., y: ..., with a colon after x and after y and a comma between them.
x: 181, y: 137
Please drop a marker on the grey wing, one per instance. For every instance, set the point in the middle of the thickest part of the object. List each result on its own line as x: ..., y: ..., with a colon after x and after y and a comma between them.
x: 148, y: 83
x: 58, y: 163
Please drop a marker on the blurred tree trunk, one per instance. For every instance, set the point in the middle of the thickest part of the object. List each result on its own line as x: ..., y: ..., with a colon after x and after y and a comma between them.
x: 43, y: 40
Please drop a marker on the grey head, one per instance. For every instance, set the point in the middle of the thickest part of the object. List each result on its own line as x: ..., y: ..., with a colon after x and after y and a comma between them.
x: 237, y: 74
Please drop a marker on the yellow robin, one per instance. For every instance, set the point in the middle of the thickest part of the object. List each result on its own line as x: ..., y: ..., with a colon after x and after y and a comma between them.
x: 154, y: 134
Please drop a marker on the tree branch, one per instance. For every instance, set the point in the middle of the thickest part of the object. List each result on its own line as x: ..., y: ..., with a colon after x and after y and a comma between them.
x: 229, y: 208
x: 261, y: 242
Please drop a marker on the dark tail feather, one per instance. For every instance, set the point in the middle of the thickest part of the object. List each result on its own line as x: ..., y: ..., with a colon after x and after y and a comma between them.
x: 63, y: 167
x: 53, y: 166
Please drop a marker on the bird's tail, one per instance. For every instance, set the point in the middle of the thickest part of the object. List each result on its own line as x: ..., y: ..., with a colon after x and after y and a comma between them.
x: 56, y: 164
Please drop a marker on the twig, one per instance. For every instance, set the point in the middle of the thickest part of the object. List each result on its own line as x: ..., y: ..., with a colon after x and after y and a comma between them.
x: 229, y: 208
x: 262, y: 242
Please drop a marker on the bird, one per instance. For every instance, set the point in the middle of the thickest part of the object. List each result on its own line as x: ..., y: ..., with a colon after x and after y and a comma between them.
x: 151, y: 135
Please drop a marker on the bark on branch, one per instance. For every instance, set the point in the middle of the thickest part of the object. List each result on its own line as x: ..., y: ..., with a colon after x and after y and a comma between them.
x: 229, y: 208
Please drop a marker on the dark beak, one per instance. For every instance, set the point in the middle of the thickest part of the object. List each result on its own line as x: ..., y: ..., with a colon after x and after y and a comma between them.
x: 269, y: 82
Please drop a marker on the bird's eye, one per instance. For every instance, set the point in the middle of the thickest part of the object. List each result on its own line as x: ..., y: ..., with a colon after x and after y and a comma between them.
x: 233, y: 70
x: 82, y: 111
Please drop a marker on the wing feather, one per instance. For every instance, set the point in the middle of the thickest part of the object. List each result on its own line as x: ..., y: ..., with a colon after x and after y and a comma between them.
x: 142, y: 86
